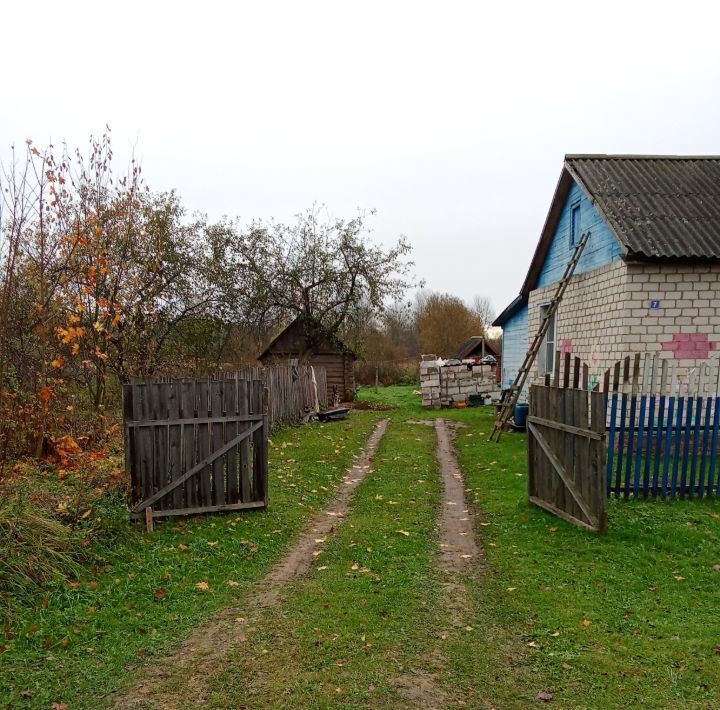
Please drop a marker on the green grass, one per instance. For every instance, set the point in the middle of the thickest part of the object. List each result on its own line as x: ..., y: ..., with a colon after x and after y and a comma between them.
x: 74, y: 643
x: 621, y: 620
x: 360, y: 619
x: 610, y: 622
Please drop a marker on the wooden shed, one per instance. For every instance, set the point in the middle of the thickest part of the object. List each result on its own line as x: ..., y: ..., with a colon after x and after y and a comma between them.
x: 306, y: 341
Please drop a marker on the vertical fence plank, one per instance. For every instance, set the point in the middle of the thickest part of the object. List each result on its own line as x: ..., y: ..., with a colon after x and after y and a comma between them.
x: 631, y: 426
x: 188, y: 409
x: 613, y: 425
x: 174, y: 443
x: 660, y: 428
x: 623, y: 425
x: 203, y: 443
x: 598, y: 406
x: 129, y: 434
x: 643, y: 391
x: 145, y: 440
x: 696, y: 436
x: 687, y: 434
x: 243, y: 409
x: 231, y: 431
x: 650, y: 439
x: 160, y: 439
x: 677, y: 444
x: 256, y: 403
x: 217, y: 441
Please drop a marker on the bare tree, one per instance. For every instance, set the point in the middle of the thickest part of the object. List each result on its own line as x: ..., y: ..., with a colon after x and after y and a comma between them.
x: 322, y: 268
x: 483, y: 308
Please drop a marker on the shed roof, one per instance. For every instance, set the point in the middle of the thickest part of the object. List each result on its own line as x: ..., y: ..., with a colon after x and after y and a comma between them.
x: 309, y: 330
x: 659, y: 207
x: 515, y: 306
x: 471, y: 344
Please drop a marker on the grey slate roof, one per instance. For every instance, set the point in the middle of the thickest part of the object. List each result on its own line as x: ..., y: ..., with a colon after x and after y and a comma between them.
x: 659, y: 207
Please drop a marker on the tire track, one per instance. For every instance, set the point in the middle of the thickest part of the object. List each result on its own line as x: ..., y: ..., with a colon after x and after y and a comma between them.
x: 191, y: 666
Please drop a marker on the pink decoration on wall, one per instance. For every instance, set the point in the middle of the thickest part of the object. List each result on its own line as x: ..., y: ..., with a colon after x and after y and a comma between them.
x: 566, y: 346
x: 690, y: 346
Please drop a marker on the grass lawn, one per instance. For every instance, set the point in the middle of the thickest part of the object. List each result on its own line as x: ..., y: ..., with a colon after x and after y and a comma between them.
x: 360, y: 619
x: 74, y: 642
x: 621, y: 620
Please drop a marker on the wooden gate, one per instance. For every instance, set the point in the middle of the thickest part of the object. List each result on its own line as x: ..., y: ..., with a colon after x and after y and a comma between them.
x: 196, y: 446
x: 567, y: 449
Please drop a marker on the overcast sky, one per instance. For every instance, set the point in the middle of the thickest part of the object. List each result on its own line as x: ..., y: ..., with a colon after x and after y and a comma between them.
x: 450, y: 118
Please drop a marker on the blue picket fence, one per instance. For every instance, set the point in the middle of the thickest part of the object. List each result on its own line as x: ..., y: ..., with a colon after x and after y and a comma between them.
x: 662, y: 430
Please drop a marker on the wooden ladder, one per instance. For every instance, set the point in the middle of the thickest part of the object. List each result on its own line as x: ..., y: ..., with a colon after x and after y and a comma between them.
x: 508, y: 406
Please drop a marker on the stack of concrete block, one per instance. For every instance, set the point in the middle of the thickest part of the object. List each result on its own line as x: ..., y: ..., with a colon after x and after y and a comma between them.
x: 430, y: 382
x: 444, y: 384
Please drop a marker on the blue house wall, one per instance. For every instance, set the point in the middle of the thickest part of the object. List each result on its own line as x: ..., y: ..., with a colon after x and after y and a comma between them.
x: 601, y: 249
x: 515, y: 345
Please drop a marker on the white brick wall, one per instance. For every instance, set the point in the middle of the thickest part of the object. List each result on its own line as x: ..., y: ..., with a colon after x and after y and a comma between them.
x: 605, y: 314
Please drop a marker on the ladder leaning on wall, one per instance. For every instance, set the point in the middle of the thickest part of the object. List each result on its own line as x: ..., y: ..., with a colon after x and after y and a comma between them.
x: 508, y: 406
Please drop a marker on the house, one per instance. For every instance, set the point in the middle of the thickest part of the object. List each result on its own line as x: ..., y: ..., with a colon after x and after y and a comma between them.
x: 306, y: 341
x: 649, y: 277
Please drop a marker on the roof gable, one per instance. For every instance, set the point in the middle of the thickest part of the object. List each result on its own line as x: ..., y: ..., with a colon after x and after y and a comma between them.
x: 302, y: 336
x: 474, y: 345
x: 656, y: 207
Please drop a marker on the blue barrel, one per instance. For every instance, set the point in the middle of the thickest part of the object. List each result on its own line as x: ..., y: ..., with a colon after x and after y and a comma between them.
x: 521, y: 412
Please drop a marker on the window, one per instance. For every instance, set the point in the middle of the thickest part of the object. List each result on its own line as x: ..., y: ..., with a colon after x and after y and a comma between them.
x: 574, y: 224
x: 547, y: 357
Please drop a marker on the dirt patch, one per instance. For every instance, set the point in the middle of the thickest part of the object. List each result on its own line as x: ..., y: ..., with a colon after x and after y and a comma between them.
x: 420, y: 689
x: 205, y: 648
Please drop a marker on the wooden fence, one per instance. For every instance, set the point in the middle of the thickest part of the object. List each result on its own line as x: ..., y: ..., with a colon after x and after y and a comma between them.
x: 567, y: 449
x: 663, y: 424
x: 293, y: 392
x: 196, y: 446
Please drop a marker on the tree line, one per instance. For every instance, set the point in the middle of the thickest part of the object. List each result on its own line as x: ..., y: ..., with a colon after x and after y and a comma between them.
x: 103, y: 279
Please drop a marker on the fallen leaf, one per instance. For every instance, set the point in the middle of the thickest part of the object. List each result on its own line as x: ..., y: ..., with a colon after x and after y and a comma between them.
x: 586, y: 622
x: 233, y: 583
x: 160, y: 593
x: 679, y: 577
x: 544, y: 696
x: 202, y: 586
x: 404, y: 532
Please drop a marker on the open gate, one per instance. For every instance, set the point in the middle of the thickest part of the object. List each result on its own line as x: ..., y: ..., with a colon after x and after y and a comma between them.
x: 567, y: 448
x: 196, y: 446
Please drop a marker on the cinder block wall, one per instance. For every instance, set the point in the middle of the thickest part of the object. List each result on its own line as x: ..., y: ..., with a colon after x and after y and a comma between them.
x: 446, y: 385
x: 606, y: 314
x: 590, y: 317
x: 686, y: 324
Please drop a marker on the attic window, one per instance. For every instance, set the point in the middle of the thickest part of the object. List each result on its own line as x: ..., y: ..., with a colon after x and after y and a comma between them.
x: 574, y: 224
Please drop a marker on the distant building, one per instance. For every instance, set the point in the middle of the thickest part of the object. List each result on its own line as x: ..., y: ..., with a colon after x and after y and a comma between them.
x: 475, y: 347
x: 307, y: 342
x: 649, y: 277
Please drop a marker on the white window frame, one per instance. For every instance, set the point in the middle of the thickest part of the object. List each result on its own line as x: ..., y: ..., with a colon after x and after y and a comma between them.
x: 575, y: 216
x: 549, y: 343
